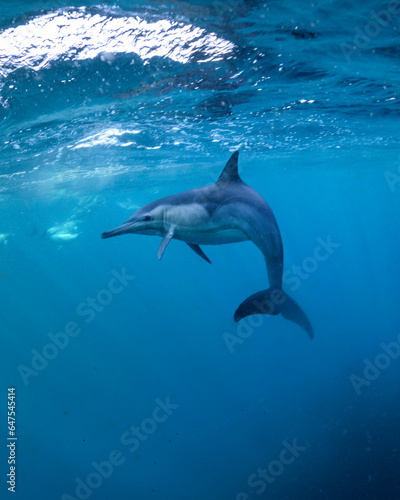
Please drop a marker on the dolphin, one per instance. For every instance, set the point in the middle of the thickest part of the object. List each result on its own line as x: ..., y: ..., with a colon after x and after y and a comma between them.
x: 227, y: 211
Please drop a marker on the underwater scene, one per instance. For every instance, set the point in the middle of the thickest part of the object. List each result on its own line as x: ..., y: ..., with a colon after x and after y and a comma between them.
x: 199, y: 249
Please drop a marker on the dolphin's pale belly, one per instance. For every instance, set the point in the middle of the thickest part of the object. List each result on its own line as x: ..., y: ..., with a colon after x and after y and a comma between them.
x: 209, y: 236
x: 192, y: 223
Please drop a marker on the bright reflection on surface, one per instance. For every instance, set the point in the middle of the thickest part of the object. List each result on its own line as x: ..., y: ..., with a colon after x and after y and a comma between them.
x: 77, y: 35
x: 108, y: 137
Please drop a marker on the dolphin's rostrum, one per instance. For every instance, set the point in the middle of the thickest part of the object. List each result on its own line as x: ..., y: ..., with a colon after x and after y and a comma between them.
x: 227, y: 211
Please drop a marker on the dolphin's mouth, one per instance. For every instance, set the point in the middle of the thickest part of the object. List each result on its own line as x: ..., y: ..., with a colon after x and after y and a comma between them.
x: 127, y: 227
x: 118, y: 230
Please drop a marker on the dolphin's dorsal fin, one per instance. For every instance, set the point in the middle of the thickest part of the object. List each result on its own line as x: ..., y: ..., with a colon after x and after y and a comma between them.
x: 163, y: 245
x: 230, y: 172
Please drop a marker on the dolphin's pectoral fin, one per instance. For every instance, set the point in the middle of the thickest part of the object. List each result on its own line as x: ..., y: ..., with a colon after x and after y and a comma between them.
x: 274, y: 301
x: 199, y: 251
x: 163, y: 245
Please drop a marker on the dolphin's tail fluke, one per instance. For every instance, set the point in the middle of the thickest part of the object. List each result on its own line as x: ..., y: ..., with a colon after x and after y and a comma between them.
x: 274, y: 301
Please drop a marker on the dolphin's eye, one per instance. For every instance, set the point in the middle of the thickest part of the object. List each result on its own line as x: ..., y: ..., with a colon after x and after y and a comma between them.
x: 146, y: 218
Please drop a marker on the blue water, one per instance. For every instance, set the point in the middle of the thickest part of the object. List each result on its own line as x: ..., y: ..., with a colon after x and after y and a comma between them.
x: 104, y: 108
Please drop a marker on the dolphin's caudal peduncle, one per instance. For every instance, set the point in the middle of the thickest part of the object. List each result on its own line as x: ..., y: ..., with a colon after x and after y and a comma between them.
x: 227, y: 211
